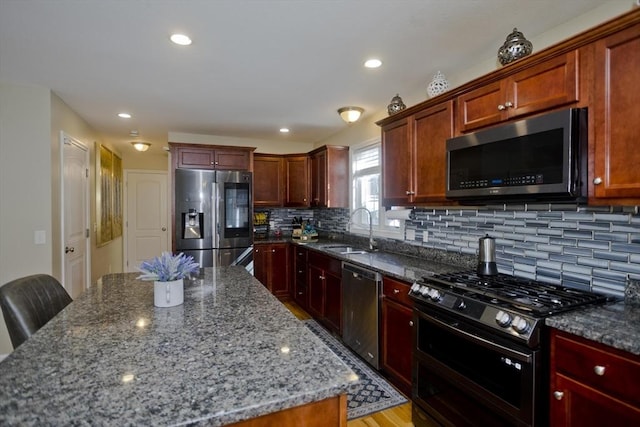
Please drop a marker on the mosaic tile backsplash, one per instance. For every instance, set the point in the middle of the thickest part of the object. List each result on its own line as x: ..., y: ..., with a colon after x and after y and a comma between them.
x: 595, y: 248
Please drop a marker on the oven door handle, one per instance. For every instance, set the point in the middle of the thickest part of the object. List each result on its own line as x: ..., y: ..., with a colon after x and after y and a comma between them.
x: 523, y: 357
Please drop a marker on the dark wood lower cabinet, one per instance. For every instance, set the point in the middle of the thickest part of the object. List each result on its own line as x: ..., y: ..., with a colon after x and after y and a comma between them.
x: 271, y: 267
x: 300, y: 291
x: 397, y: 334
x: 592, y: 384
x: 325, y: 290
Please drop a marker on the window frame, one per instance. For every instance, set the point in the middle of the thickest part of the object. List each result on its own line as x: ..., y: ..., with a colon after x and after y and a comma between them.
x: 362, y: 228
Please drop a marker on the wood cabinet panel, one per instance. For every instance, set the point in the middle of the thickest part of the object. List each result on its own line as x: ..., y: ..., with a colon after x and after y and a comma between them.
x: 297, y: 177
x: 330, y: 177
x: 545, y: 86
x: 616, y: 114
x: 397, y: 150
x: 414, y: 156
x: 431, y: 129
x: 231, y: 159
x: 325, y: 290
x: 300, y: 275
x: 397, y: 333
x: 592, y: 384
x: 268, y: 180
x: 271, y: 267
x: 397, y: 336
x: 197, y: 156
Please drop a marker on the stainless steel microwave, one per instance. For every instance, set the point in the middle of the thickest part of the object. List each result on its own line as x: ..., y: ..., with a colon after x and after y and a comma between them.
x: 539, y: 159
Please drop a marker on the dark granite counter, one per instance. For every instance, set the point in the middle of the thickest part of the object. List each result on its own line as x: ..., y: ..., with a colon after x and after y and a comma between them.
x: 616, y: 324
x: 231, y: 352
x: 402, y: 267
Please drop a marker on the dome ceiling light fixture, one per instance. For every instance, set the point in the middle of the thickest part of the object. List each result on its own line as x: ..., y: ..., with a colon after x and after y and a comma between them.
x: 140, y: 146
x: 350, y: 114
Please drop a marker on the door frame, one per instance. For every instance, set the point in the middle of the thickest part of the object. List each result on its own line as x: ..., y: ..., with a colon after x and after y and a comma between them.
x: 125, y: 195
x: 87, y: 212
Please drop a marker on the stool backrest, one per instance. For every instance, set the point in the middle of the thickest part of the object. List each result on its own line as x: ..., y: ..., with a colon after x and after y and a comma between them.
x: 30, y: 302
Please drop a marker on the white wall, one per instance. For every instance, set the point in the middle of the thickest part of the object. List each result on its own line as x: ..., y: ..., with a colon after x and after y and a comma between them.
x: 25, y: 185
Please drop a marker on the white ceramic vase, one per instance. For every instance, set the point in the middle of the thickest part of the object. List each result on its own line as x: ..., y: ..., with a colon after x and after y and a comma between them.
x: 168, y: 294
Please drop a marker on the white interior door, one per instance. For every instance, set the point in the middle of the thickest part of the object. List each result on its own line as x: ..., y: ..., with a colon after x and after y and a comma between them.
x: 75, y: 216
x: 147, y: 217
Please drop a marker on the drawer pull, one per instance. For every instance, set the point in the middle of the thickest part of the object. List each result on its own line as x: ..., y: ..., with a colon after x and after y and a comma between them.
x: 396, y: 291
x: 599, y: 370
x: 558, y: 395
x: 411, y: 323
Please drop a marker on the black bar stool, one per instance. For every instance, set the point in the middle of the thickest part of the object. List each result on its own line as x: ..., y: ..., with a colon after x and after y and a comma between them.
x: 30, y: 302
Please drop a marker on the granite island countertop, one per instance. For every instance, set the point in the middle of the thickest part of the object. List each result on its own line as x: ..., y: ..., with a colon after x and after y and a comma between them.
x: 231, y: 352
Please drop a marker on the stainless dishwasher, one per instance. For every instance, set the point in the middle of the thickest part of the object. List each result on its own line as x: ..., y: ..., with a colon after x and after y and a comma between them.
x: 360, y: 299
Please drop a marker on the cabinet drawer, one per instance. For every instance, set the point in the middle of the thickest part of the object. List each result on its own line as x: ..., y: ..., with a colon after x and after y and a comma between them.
x: 326, y: 263
x: 397, y: 291
x: 609, y: 370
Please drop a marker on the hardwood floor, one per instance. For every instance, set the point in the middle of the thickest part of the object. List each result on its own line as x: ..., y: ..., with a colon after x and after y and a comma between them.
x: 398, y: 416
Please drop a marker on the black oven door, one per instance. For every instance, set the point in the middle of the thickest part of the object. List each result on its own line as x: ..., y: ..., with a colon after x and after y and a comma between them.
x: 465, y: 376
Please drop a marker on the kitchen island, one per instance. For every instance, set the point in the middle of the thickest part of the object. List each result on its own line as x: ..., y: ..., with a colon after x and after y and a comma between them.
x: 232, y: 352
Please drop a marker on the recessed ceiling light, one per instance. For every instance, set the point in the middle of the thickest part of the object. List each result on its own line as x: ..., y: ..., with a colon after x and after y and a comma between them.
x: 372, y: 63
x: 284, y: 130
x: 124, y: 115
x: 181, y: 39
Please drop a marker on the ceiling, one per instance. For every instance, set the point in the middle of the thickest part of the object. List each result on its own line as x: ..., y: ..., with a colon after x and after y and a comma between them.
x: 255, y: 65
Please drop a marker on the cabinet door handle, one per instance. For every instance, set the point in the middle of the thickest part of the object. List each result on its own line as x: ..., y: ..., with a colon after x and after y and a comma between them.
x: 597, y: 180
x: 508, y: 104
x: 411, y: 323
x: 273, y: 250
x: 599, y: 370
x: 501, y: 107
x: 558, y: 395
x: 321, y: 277
x: 396, y: 291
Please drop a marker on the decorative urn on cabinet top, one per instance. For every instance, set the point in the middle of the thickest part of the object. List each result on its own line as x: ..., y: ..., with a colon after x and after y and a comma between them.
x: 396, y: 105
x: 438, y: 85
x: 516, y: 46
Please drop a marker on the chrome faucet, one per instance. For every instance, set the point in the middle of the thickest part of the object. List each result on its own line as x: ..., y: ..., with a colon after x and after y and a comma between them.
x: 372, y: 244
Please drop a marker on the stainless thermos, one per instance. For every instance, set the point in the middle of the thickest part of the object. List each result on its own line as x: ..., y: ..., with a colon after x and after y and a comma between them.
x: 487, y: 257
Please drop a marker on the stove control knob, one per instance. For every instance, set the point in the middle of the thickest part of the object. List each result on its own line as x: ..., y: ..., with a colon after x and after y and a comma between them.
x: 520, y: 325
x: 415, y: 288
x: 424, y: 290
x: 435, y: 295
x: 503, y: 319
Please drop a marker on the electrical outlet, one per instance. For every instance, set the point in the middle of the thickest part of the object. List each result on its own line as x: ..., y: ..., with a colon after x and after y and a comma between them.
x: 410, y: 234
x: 425, y: 236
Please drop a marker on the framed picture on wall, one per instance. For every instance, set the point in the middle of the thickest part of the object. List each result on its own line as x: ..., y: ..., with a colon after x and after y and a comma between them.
x: 108, y: 195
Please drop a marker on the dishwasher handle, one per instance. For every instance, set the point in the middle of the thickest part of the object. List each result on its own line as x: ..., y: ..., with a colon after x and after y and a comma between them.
x: 357, y: 271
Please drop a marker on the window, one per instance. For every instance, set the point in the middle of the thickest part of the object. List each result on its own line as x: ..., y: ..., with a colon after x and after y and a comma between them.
x: 366, y: 192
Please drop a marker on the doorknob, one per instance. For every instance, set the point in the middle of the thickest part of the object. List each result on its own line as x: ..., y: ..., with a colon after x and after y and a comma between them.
x: 164, y: 228
x: 67, y: 249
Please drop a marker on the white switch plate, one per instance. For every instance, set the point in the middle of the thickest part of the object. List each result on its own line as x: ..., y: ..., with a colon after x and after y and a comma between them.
x: 39, y: 237
x: 411, y: 234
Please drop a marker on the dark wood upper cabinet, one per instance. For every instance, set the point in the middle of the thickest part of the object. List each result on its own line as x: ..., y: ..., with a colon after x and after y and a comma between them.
x: 297, y: 187
x: 196, y: 156
x: 330, y: 177
x: 615, y: 117
x: 414, y: 156
x: 268, y: 180
x: 545, y: 86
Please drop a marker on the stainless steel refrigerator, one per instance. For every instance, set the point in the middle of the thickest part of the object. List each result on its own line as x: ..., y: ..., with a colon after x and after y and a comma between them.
x: 214, y: 216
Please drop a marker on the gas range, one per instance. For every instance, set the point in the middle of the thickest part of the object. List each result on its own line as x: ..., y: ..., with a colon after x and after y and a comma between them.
x: 513, y: 306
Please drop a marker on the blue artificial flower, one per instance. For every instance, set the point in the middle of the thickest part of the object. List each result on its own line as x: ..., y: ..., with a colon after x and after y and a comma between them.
x: 168, y: 267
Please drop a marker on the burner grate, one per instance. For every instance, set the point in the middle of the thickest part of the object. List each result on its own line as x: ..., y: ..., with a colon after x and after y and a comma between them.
x: 537, y: 298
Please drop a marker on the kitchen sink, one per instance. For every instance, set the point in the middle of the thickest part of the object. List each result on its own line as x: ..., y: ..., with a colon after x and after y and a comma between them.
x: 346, y: 250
